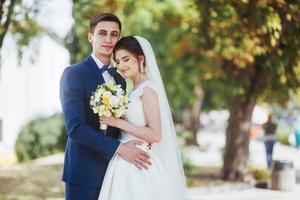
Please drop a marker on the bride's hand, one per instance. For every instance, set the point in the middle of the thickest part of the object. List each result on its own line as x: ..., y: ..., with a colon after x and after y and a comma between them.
x: 110, y: 121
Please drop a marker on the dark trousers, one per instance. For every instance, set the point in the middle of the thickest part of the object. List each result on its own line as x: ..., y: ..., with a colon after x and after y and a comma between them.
x: 269, y: 144
x: 79, y: 192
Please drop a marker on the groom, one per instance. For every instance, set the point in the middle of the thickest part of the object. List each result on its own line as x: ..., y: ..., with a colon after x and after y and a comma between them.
x: 88, y: 151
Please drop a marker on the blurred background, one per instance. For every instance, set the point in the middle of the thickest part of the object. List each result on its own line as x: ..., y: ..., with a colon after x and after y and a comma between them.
x: 227, y: 67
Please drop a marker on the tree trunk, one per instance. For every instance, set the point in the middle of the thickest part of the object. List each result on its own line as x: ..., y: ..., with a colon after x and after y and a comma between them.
x: 198, y: 92
x: 190, y: 116
x: 237, y: 139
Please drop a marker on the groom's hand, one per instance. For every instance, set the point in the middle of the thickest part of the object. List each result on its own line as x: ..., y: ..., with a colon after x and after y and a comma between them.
x: 130, y: 152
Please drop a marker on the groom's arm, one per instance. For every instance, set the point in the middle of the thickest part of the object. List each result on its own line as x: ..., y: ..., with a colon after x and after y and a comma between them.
x: 72, y: 100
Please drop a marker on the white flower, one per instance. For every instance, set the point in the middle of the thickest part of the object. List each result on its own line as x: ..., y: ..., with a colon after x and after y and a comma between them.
x: 101, y: 90
x: 120, y: 112
x: 107, y: 113
x: 114, y: 100
x: 107, y: 93
x: 94, y: 110
x: 97, y: 97
x: 119, y: 91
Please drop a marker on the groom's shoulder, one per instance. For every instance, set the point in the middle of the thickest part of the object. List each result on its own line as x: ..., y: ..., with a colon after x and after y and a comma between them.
x: 75, y: 71
x: 76, y: 68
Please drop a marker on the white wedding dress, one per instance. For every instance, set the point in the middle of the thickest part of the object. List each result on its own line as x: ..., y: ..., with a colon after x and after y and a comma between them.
x: 123, y: 181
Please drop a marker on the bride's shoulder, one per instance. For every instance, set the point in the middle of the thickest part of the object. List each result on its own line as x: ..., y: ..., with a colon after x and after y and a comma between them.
x: 146, y: 88
x: 148, y: 92
x: 148, y: 85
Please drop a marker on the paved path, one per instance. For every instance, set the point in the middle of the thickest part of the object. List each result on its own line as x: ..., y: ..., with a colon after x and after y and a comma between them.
x: 212, y: 143
x: 241, y: 193
x: 210, y: 155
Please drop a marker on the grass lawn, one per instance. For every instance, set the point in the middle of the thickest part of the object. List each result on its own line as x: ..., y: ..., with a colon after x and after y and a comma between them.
x: 31, y: 182
x: 41, y: 179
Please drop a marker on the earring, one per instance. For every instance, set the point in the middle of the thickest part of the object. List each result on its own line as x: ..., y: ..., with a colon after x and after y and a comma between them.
x: 142, y: 68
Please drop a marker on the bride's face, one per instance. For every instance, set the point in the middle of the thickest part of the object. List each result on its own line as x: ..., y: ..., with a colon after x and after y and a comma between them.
x: 127, y: 63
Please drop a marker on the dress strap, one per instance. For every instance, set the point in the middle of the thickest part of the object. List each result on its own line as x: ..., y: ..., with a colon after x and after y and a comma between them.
x: 139, y: 91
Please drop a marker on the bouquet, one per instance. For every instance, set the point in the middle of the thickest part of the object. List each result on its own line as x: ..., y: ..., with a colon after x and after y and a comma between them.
x: 109, y: 100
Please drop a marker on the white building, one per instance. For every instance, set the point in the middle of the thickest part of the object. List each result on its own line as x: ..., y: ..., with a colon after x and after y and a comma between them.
x: 32, y: 89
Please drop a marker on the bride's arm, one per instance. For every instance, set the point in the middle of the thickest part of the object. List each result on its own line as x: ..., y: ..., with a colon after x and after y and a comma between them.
x: 151, y: 133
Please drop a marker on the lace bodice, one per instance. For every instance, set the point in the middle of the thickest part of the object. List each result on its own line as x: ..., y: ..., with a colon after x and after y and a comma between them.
x: 135, y: 112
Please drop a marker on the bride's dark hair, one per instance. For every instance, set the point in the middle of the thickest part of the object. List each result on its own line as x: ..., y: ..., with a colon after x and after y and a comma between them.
x: 130, y: 44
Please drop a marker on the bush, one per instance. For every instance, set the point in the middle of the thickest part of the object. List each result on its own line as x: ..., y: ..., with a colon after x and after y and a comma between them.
x: 187, y: 165
x: 283, y: 138
x: 261, y: 174
x: 283, y: 134
x: 41, y: 137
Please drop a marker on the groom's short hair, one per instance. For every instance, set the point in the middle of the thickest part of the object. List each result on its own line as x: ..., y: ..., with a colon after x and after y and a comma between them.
x: 104, y: 17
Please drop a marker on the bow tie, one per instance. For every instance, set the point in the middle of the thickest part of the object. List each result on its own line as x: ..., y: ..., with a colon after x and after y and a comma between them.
x: 111, y: 70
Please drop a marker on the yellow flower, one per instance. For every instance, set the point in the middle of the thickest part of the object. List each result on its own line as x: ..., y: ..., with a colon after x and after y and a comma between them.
x: 123, y: 100
x: 100, y: 91
x: 105, y: 100
x: 111, y: 86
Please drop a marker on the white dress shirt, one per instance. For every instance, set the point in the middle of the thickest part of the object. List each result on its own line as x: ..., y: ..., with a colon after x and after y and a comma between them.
x: 107, y: 77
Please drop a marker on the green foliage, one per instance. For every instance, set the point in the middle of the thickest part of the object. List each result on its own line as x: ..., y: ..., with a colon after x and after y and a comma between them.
x: 255, y: 46
x: 41, y: 137
x: 283, y: 138
x: 170, y: 27
x: 261, y: 174
x: 22, y: 24
x: 283, y: 130
x: 220, y: 45
x: 187, y: 165
x: 257, y: 54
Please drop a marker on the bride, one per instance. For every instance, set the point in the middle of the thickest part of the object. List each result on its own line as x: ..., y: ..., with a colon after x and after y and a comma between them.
x: 148, y: 119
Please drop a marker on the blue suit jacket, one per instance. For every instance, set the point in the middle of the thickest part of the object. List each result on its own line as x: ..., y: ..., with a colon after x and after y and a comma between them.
x: 88, y: 151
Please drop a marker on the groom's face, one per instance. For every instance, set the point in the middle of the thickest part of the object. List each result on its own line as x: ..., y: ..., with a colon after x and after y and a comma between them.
x: 104, y: 37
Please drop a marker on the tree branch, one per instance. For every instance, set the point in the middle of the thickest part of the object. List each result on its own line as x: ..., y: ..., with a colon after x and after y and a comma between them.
x: 55, y: 37
x: 1, y: 9
x: 7, y: 22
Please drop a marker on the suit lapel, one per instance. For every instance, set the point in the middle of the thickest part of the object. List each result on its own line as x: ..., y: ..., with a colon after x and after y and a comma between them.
x: 120, y: 81
x: 94, y: 69
x: 98, y: 75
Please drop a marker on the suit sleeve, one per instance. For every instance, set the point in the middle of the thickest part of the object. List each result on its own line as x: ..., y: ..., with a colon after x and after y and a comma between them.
x: 72, y: 100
